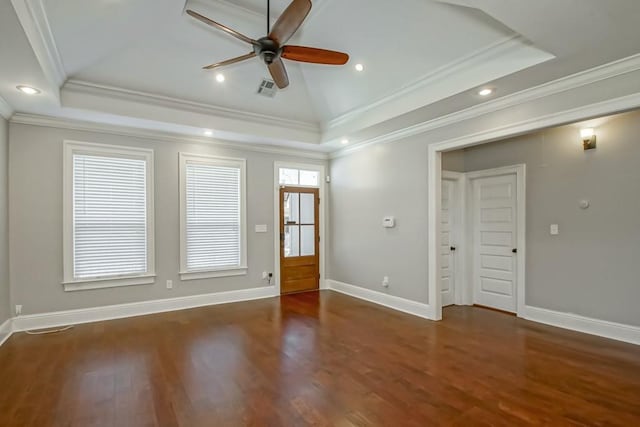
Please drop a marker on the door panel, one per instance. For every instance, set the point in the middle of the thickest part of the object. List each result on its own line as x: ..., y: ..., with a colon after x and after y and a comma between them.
x: 299, y: 240
x: 495, y: 238
x: 447, y: 264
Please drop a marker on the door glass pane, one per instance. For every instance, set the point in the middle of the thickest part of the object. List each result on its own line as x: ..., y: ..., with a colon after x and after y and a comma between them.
x: 307, y: 240
x: 309, y: 178
x: 307, y: 211
x: 291, y: 241
x: 291, y: 208
x: 288, y: 176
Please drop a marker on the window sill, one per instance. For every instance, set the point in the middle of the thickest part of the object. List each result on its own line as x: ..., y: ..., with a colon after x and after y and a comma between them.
x: 195, y: 275
x: 85, y: 285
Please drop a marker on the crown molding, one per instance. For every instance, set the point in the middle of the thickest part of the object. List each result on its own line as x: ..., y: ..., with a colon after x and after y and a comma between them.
x: 583, y: 78
x: 445, y: 72
x: 34, y: 21
x: 6, y: 110
x: 572, y: 115
x: 156, y: 135
x: 599, y: 109
x: 82, y: 87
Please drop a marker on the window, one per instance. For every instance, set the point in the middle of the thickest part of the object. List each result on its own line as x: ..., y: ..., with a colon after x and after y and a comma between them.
x: 212, y: 217
x: 108, y: 216
x: 299, y: 177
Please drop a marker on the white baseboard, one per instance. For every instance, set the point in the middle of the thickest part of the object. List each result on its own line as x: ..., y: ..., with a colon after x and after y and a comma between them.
x: 396, y: 303
x: 603, y: 328
x: 96, y: 314
x: 616, y: 331
x: 5, y: 330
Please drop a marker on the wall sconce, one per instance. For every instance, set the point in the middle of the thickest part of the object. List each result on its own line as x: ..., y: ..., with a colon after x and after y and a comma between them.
x: 588, y: 137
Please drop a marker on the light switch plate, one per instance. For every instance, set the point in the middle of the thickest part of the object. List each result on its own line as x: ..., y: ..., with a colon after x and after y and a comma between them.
x: 261, y: 228
x: 554, y: 230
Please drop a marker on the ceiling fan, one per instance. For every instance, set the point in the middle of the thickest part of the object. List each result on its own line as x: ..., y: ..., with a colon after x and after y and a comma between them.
x: 272, y: 48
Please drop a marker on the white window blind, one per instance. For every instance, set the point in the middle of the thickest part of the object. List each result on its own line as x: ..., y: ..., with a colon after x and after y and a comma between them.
x: 213, y: 226
x: 109, y: 216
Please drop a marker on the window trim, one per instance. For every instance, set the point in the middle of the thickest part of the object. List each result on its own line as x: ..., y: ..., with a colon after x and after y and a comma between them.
x: 77, y: 147
x: 239, y: 270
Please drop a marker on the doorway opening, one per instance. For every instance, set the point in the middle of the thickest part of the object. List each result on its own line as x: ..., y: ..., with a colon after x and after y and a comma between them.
x: 482, y: 236
x: 476, y: 239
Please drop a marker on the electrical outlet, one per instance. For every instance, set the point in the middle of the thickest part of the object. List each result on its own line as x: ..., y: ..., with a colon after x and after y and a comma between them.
x: 18, y: 310
x: 385, y: 282
x: 169, y: 284
x: 265, y: 275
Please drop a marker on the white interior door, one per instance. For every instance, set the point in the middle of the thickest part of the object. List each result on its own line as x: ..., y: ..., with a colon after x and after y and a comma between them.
x: 495, y: 241
x: 447, y: 229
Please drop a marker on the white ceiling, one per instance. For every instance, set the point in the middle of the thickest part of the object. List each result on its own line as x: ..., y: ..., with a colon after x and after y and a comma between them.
x: 158, y: 49
x: 138, y: 62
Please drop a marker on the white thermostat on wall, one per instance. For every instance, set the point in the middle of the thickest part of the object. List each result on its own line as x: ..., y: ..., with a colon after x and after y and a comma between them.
x: 388, y: 222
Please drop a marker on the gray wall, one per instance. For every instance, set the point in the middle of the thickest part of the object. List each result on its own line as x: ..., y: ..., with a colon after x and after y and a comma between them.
x: 35, y: 218
x: 386, y: 179
x: 5, y: 301
x: 592, y: 267
x: 453, y: 161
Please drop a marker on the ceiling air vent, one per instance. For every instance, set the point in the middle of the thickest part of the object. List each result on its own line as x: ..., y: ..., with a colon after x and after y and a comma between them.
x: 267, y: 88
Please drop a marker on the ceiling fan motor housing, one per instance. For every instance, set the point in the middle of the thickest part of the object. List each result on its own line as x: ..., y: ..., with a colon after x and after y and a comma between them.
x: 267, y: 49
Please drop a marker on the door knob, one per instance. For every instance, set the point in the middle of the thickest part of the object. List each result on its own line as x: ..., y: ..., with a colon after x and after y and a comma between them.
x: 515, y: 251
x: 453, y: 248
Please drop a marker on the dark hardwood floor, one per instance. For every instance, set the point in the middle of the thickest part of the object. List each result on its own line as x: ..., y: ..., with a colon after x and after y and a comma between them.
x: 317, y: 359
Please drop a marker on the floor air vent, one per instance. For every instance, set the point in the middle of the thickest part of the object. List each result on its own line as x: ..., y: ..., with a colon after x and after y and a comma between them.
x: 267, y: 88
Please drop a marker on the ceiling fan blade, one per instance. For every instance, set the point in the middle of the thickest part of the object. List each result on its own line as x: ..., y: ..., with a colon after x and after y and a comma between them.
x: 230, y: 61
x: 290, y: 21
x: 314, y: 55
x: 279, y: 73
x: 219, y: 26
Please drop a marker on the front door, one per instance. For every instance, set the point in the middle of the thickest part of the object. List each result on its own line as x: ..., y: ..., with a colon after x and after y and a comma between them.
x: 299, y: 240
x: 495, y: 241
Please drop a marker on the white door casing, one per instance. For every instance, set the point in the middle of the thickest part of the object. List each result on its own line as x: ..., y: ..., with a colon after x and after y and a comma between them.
x: 494, y: 217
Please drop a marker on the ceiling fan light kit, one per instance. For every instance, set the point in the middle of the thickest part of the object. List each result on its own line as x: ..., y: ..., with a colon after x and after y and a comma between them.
x: 273, y: 48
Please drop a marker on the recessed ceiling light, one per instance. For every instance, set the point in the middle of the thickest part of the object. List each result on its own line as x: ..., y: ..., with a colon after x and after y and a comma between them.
x: 359, y: 67
x: 485, y: 92
x: 208, y: 133
x: 344, y: 141
x: 220, y: 77
x: 28, y: 90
